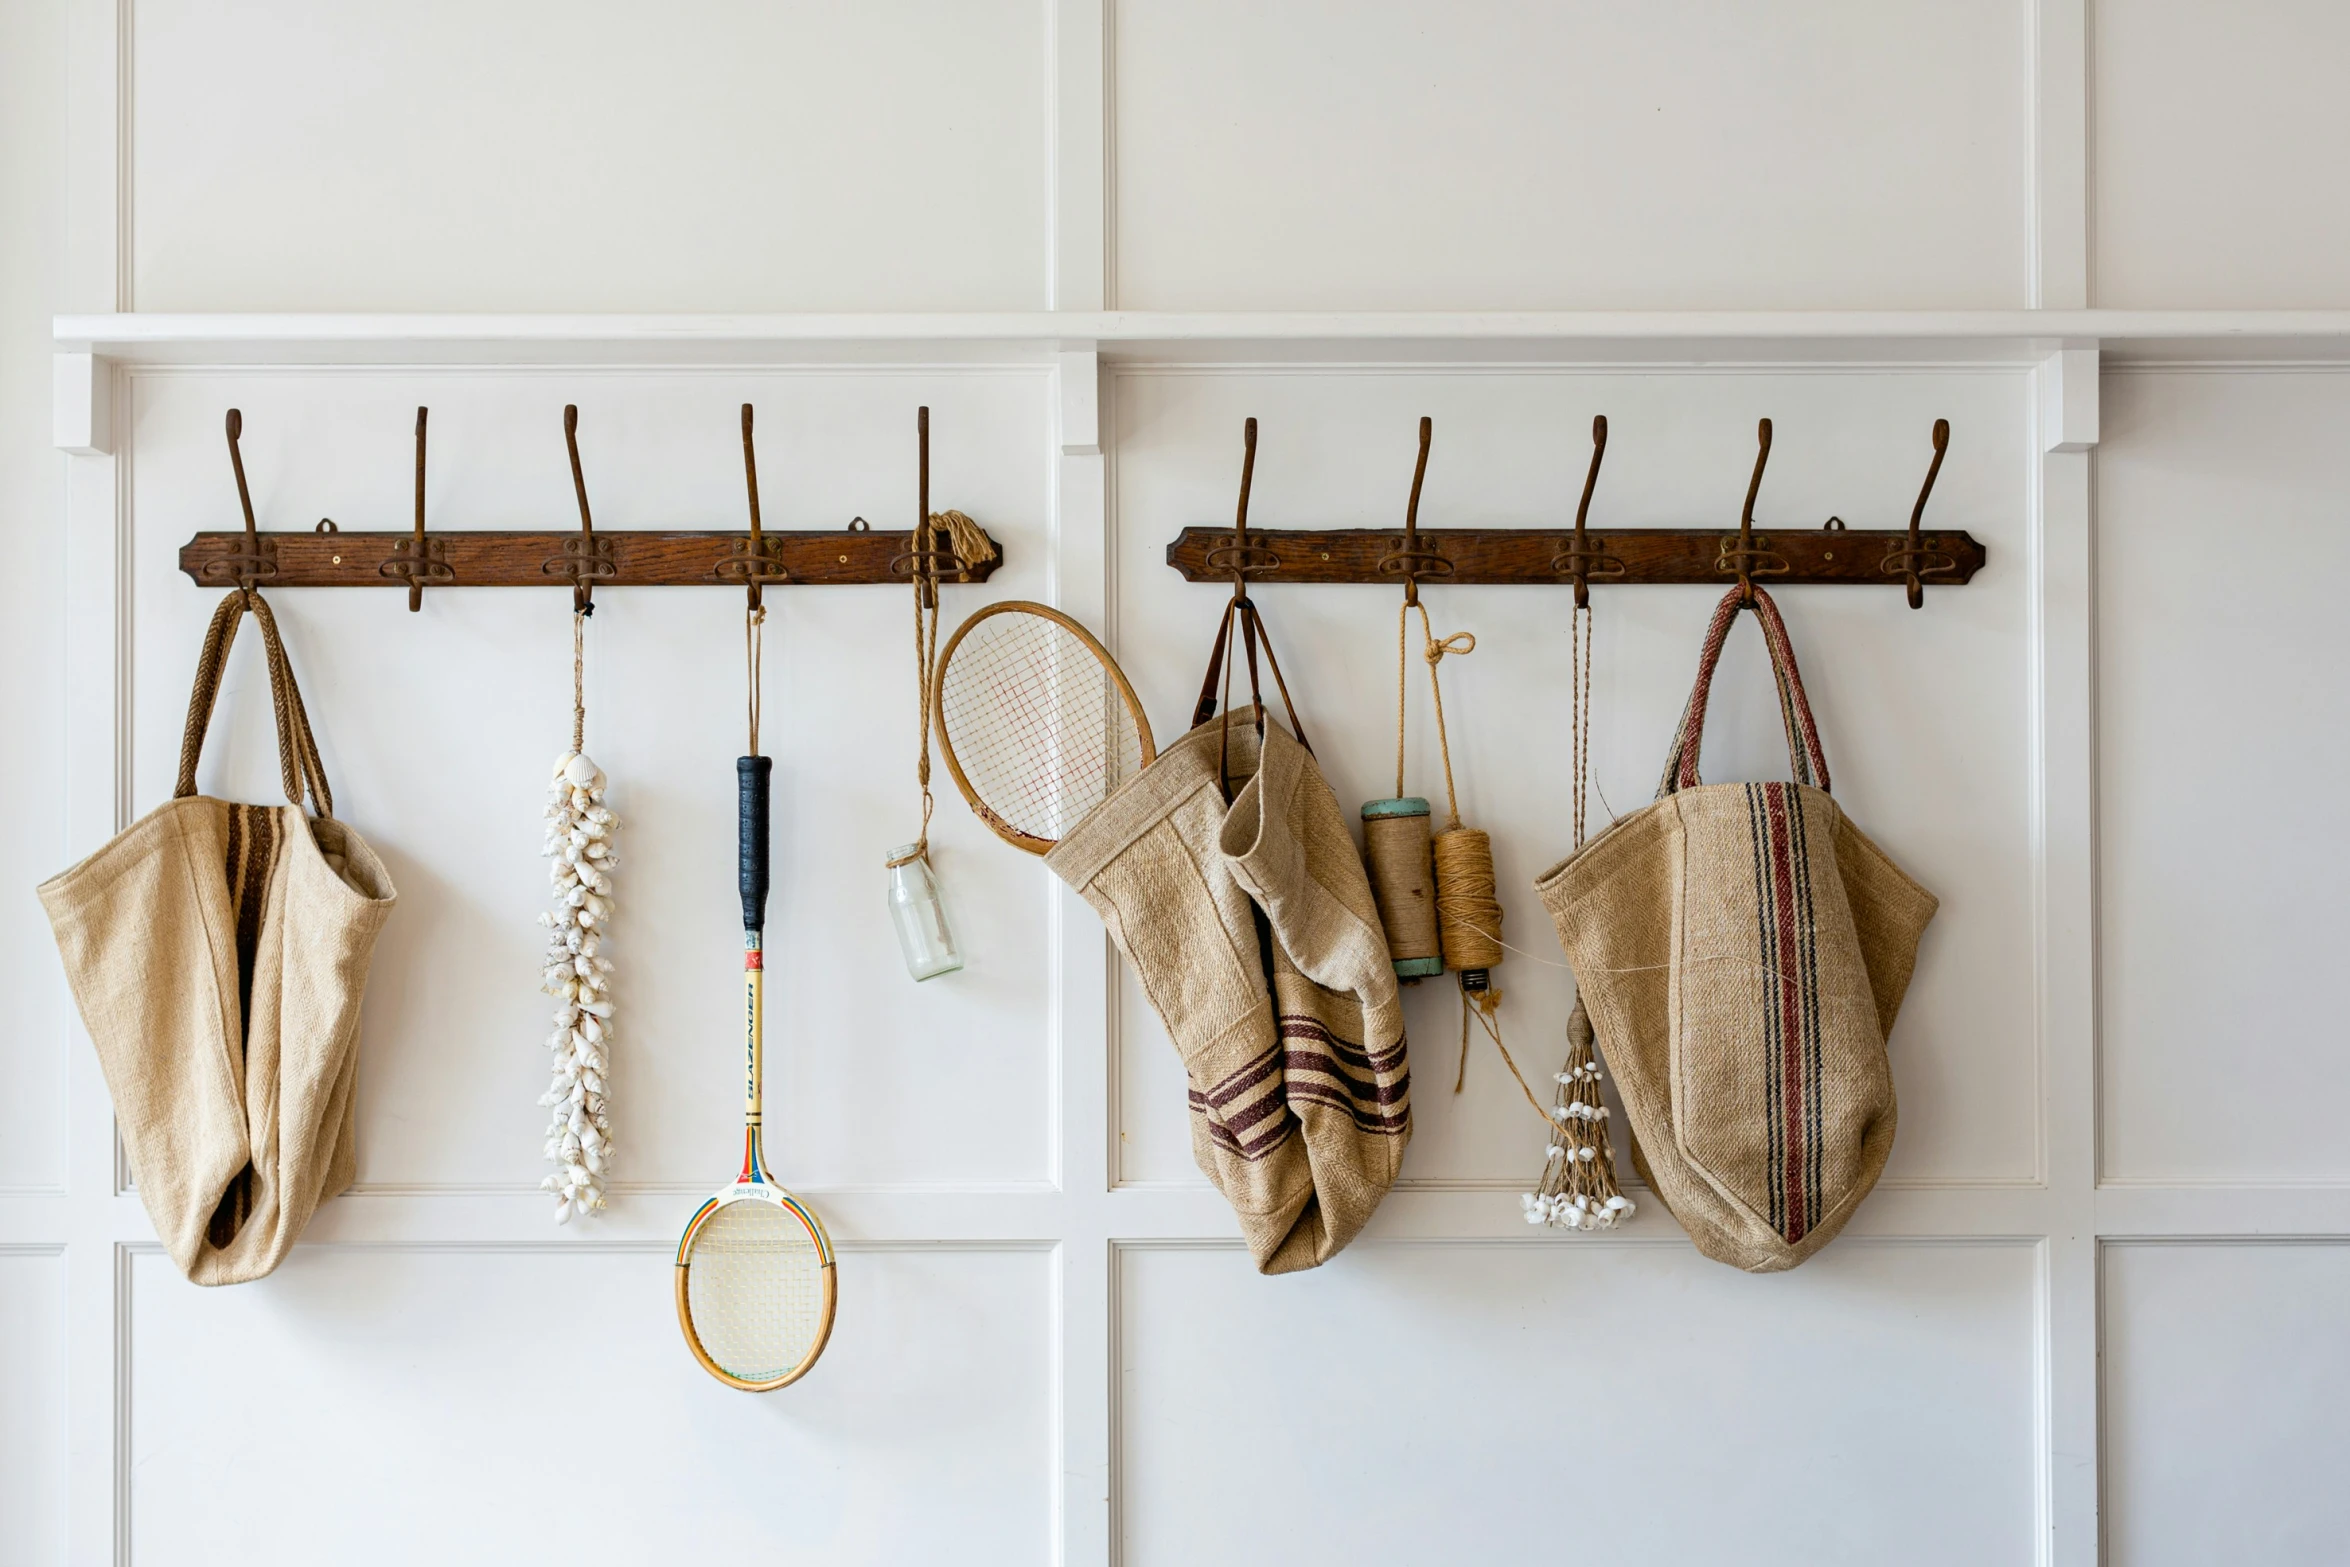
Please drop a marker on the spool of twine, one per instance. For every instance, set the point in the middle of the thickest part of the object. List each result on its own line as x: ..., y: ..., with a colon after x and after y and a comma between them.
x: 1468, y: 911
x: 1402, y: 881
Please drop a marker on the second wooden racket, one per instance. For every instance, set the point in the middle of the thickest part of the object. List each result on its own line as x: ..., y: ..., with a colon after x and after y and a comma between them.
x: 1036, y: 720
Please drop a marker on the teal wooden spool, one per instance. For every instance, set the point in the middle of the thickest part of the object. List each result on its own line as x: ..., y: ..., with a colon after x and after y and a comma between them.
x: 1403, y: 878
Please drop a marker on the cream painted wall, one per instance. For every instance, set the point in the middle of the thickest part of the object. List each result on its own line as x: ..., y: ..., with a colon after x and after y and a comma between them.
x: 2116, y: 1212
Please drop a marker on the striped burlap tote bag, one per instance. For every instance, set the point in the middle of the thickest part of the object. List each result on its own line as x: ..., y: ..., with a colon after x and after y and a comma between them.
x: 1253, y: 932
x: 217, y: 952
x: 1742, y: 950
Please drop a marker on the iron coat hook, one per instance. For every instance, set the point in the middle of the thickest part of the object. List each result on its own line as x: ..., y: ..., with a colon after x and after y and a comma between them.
x: 256, y: 557
x: 1583, y: 558
x: 1914, y: 562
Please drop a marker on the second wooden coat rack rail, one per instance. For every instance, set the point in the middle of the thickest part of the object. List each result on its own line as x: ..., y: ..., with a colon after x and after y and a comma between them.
x: 587, y: 556
x: 1908, y: 558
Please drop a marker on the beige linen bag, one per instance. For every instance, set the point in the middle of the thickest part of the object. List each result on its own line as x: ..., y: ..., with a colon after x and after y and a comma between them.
x: 1742, y: 950
x: 1254, y: 934
x: 218, y: 952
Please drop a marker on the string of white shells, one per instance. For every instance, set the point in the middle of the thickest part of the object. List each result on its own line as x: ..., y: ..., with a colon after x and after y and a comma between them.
x: 578, y: 976
x: 1578, y: 1187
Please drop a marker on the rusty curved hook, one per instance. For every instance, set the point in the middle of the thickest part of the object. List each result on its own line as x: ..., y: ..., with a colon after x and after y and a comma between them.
x: 1248, y: 477
x: 417, y: 559
x: 1581, y: 559
x: 1411, y: 515
x: 1913, y: 560
x: 1237, y: 552
x: 581, y: 581
x: 757, y: 553
x: 258, y: 557
x: 1762, y: 459
x: 416, y: 575
x: 1743, y: 556
x: 586, y: 557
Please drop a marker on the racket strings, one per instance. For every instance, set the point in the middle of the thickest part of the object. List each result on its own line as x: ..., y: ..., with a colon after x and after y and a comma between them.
x: 755, y: 1294
x: 1040, y: 728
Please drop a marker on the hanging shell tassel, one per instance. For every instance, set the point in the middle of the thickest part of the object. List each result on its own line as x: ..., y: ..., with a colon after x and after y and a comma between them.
x: 578, y: 976
x: 1578, y: 1190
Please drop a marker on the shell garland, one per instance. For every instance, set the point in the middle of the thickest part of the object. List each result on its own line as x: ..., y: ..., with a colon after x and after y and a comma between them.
x: 1578, y: 1189
x: 578, y: 976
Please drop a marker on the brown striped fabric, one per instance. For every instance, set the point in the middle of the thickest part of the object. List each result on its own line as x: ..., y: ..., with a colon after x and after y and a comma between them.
x: 1254, y: 935
x: 1743, y: 950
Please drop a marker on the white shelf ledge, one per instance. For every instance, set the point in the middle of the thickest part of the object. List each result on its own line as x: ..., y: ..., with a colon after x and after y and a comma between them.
x: 1690, y: 337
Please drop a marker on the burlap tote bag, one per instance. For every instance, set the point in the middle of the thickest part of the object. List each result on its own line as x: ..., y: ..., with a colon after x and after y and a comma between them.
x: 218, y: 952
x: 1742, y: 950
x: 1252, y: 929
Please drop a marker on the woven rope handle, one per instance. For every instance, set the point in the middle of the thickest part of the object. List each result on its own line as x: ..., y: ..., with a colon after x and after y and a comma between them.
x: 297, y: 751
x: 1803, y: 736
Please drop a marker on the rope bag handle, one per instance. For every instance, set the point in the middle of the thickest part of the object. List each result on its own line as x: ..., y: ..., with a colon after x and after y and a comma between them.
x: 1803, y: 735
x: 297, y: 752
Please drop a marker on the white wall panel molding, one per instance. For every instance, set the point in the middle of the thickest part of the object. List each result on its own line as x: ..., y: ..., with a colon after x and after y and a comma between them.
x: 34, y: 1400
x: 1533, y: 155
x: 1078, y: 41
x: 938, y: 1364
x: 2226, y: 1392
x: 2061, y: 167
x: 2064, y: 772
x: 755, y: 156
x: 2217, y: 131
x: 1471, y: 1337
x: 1929, y: 339
x: 2219, y: 501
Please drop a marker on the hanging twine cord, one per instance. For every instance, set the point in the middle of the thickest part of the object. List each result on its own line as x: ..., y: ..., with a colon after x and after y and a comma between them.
x: 1579, y: 678
x: 578, y: 681
x: 1578, y: 1188
x: 968, y: 543
x: 1468, y: 908
x: 754, y: 624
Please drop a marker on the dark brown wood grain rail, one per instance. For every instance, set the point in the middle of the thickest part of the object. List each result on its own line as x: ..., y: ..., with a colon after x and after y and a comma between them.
x: 1495, y: 556
x: 463, y: 559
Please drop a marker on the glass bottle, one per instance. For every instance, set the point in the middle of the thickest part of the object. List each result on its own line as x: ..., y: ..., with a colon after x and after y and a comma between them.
x: 924, y: 936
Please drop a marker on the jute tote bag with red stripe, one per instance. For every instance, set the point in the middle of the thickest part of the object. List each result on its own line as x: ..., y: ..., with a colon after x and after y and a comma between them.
x: 218, y: 952
x: 1742, y: 950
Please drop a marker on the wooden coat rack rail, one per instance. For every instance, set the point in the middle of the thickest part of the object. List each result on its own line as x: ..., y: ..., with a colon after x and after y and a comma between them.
x: 1581, y: 556
x: 332, y: 558
x: 585, y: 557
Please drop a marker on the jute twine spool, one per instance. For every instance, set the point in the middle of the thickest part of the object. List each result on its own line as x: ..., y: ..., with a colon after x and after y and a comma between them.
x: 1402, y: 880
x: 1468, y: 909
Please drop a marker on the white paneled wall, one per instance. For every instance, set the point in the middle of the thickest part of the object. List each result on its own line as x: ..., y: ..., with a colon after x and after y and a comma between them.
x: 32, y: 1403
x: 2222, y: 538
x: 1522, y: 1364
x: 2090, y: 1316
x: 245, y: 1445
x: 33, y: 1038
x: 1823, y: 154
x: 550, y: 156
x: 2226, y: 1372
x: 2218, y: 131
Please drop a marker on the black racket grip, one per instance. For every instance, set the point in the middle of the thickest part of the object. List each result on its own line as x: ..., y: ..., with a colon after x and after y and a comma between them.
x: 751, y: 774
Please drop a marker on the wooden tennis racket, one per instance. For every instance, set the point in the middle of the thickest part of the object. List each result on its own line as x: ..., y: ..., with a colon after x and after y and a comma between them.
x: 1036, y: 720
x: 754, y: 1268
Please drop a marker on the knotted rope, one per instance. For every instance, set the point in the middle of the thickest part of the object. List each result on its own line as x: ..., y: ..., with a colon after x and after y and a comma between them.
x: 970, y: 546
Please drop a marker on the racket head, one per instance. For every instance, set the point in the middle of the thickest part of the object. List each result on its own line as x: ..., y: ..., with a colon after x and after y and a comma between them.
x: 1037, y: 722
x: 755, y: 1286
